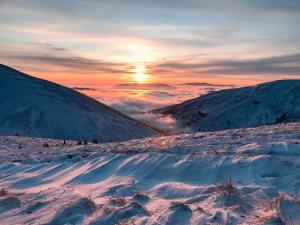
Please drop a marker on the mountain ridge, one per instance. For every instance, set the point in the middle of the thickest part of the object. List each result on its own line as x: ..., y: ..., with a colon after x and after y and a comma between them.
x: 267, y: 103
x: 24, y: 96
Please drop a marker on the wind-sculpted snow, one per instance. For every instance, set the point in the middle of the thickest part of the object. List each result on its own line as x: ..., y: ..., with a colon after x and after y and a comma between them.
x: 264, y: 104
x: 238, y: 176
x: 38, y: 108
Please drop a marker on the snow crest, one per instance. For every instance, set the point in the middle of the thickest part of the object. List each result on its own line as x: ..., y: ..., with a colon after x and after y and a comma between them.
x: 238, y: 176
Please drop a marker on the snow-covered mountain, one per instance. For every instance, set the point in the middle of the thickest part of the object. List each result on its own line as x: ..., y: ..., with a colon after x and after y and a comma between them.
x: 237, y: 176
x: 36, y: 107
x: 267, y: 103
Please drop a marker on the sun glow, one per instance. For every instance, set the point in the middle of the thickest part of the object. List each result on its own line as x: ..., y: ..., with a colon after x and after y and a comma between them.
x: 140, y: 69
x: 140, y: 73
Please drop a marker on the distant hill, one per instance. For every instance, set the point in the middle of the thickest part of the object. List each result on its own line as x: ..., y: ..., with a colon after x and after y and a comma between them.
x: 267, y: 103
x: 207, y: 84
x: 36, y: 107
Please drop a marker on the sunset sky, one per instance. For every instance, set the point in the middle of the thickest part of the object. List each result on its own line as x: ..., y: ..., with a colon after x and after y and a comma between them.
x: 98, y: 46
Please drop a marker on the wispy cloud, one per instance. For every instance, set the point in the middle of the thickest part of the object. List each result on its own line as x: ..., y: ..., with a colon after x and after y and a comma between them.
x: 284, y: 65
x: 145, y: 86
x: 84, y: 65
x: 84, y: 89
x: 161, y: 94
x: 203, y: 84
x: 45, y: 55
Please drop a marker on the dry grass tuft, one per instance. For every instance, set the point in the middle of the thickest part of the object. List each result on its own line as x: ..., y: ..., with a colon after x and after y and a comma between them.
x: 118, y: 200
x: 4, y: 192
x: 226, y: 187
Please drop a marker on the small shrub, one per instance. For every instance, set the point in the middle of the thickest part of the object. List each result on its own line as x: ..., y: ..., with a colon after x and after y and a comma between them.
x: 199, y: 208
x: 84, y: 155
x: 17, y: 134
x: 175, y: 203
x: 282, y: 118
x: 85, y: 142
x: 255, y: 102
x: 95, y: 141
x: 79, y: 142
x: 276, y: 207
x: 70, y: 156
x: 108, y: 210
x: 118, y: 200
x: 4, y: 192
x: 46, y: 145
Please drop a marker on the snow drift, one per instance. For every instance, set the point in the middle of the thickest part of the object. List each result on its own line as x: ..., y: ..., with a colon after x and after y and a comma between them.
x: 237, y: 176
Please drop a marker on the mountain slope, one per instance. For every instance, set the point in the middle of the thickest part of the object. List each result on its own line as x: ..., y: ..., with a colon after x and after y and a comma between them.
x: 171, y: 180
x: 267, y: 103
x: 35, y: 107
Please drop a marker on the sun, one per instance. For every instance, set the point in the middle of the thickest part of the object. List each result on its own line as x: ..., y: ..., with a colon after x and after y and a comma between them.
x: 140, y: 69
x: 140, y: 73
x: 140, y: 78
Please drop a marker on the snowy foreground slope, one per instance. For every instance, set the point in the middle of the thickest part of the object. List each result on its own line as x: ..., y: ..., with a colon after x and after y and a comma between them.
x: 35, y: 107
x: 268, y: 103
x: 242, y: 176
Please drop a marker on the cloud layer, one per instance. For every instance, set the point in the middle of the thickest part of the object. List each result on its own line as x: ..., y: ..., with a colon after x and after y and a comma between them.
x: 136, y: 101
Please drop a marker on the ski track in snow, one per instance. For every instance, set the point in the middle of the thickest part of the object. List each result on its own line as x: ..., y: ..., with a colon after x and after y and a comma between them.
x: 181, y: 179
